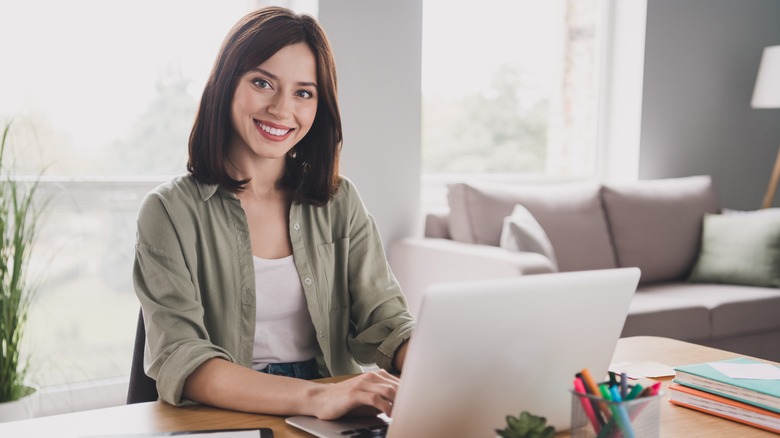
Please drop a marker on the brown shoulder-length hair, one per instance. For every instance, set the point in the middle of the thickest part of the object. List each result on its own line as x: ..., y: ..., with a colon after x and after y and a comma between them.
x: 311, y: 169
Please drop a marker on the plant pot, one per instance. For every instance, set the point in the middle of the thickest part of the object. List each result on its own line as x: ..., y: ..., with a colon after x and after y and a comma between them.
x: 21, y: 409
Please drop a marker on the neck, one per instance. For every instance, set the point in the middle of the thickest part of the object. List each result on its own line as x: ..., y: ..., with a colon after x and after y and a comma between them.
x: 264, y: 175
x: 260, y: 188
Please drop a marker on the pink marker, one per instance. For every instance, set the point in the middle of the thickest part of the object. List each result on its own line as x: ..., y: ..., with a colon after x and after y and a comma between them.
x: 579, y: 387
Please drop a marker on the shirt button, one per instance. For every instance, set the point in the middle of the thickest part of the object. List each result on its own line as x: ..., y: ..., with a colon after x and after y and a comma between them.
x: 307, y: 281
x: 321, y: 335
x: 296, y: 226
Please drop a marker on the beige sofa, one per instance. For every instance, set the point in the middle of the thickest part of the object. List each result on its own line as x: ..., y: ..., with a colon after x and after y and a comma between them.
x: 502, y: 230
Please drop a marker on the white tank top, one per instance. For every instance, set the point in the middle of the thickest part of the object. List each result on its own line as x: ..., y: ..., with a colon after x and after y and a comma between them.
x: 284, y: 331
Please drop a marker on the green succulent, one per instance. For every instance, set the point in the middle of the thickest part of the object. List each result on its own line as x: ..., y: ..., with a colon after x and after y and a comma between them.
x: 526, y: 425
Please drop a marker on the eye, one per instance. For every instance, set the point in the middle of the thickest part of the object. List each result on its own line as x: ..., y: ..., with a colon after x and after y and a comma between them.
x: 261, y: 83
x: 304, y: 94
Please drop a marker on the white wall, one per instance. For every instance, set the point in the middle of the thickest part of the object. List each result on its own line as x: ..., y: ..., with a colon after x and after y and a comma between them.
x: 701, y: 62
x: 621, y: 90
x: 378, y: 50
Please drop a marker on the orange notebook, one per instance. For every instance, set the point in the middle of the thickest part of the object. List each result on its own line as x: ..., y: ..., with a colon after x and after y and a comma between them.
x: 724, y: 407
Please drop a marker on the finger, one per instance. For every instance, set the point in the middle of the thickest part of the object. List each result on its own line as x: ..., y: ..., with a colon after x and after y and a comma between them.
x: 375, y: 377
x: 384, y: 375
x: 377, y: 401
x: 378, y: 385
x: 387, y: 392
x: 386, y: 388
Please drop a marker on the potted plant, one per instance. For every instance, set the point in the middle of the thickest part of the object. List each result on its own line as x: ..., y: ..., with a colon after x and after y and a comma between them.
x: 526, y: 425
x: 19, y: 215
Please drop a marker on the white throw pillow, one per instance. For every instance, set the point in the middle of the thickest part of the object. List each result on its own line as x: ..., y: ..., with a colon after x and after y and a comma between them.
x: 571, y: 214
x: 522, y: 232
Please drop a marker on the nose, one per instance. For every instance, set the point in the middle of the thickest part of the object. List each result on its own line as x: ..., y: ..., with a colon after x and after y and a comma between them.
x: 281, y: 105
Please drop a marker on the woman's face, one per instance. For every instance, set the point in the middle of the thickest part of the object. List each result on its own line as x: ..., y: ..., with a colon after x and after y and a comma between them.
x: 274, y: 104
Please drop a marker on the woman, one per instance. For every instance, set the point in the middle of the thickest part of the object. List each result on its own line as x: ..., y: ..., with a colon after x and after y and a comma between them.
x: 261, y: 268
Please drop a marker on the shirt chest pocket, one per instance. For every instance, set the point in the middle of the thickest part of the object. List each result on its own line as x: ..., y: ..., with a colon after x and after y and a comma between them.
x: 332, y: 269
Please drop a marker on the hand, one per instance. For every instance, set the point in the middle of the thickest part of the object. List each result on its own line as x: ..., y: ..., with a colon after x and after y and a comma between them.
x: 366, y: 394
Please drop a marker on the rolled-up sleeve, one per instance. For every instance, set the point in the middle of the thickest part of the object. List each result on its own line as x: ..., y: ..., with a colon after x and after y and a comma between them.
x: 355, y: 302
x: 378, y: 307
x: 177, y: 341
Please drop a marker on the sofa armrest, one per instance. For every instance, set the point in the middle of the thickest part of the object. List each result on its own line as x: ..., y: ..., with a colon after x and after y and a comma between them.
x: 421, y: 262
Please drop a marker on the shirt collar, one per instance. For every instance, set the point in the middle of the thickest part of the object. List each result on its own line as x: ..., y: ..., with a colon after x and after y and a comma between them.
x: 206, y: 191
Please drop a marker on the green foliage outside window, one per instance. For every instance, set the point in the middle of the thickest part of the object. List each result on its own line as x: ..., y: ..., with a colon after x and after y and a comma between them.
x: 501, y: 130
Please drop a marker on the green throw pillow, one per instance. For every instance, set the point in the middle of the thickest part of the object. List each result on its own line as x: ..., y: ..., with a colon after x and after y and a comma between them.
x: 740, y: 248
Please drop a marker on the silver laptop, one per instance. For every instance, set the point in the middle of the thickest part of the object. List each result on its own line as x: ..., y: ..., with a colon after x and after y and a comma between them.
x: 484, y: 350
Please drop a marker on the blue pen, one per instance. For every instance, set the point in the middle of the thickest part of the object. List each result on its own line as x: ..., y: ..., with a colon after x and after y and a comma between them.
x: 621, y: 413
x: 613, y: 392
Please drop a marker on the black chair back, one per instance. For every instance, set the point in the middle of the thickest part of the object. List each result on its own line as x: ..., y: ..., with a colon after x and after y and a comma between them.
x: 142, y: 387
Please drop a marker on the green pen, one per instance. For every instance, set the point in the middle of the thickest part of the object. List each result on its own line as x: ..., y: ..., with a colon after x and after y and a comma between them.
x: 635, y: 390
x: 605, y: 391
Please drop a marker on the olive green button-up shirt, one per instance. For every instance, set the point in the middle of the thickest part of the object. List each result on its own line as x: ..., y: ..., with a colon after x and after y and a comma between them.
x: 194, y: 277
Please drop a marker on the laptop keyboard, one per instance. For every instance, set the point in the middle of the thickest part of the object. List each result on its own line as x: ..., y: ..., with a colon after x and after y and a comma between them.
x: 366, y: 432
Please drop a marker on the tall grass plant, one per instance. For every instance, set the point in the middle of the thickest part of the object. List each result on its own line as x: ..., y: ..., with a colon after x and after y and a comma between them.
x: 19, y: 216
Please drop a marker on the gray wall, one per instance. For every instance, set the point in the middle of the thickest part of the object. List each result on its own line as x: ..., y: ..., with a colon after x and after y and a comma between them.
x: 701, y: 61
x: 378, y: 50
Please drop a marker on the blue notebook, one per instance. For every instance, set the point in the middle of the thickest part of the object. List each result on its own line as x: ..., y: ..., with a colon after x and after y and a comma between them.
x: 762, y: 393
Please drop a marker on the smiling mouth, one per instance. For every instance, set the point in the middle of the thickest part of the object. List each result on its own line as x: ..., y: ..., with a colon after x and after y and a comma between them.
x: 271, y: 130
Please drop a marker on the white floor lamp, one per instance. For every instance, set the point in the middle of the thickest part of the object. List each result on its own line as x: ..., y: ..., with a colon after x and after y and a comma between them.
x: 767, y: 95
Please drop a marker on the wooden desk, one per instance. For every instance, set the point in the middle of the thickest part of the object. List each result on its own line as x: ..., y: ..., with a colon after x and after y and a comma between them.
x: 156, y: 416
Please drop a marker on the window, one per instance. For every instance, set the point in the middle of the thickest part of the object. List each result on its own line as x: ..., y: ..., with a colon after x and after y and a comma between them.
x: 510, y: 88
x: 102, y: 96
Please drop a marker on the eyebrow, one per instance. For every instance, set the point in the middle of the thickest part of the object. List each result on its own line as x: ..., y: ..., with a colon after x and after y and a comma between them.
x: 276, y: 78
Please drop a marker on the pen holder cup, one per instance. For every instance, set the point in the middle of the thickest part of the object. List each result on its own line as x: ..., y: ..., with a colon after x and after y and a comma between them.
x: 595, y: 417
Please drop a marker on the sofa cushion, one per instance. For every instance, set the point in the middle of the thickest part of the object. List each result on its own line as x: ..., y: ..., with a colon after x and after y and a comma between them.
x: 437, y: 226
x: 740, y: 248
x: 698, y: 311
x: 570, y: 213
x: 673, y: 310
x: 744, y: 309
x: 656, y: 224
x: 522, y: 232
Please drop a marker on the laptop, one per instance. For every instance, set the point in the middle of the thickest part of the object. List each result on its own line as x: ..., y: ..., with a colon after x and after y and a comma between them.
x: 487, y: 349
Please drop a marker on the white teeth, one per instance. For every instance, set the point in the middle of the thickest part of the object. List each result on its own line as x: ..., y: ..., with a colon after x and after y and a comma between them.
x: 273, y: 131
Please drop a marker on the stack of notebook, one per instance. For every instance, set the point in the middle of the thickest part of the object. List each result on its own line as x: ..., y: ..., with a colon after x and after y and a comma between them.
x: 755, y: 402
